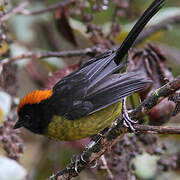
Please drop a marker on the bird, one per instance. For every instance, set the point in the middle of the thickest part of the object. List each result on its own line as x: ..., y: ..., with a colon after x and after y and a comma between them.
x: 88, y: 100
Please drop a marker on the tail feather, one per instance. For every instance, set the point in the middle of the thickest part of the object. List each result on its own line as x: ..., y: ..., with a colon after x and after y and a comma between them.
x: 140, y: 24
x: 105, y: 66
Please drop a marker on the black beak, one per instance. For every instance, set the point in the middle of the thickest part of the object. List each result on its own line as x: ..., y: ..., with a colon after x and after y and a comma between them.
x: 18, y: 124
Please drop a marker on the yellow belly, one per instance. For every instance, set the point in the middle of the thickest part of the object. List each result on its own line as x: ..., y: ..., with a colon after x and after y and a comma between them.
x: 64, y: 129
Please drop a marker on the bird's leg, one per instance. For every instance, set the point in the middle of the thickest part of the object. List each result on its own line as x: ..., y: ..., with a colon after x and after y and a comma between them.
x: 127, y: 121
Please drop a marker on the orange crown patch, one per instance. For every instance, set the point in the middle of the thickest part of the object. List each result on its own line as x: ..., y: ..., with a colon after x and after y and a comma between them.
x: 35, y: 97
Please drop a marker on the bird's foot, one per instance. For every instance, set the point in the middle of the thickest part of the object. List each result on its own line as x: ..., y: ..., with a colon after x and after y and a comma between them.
x: 76, y: 159
x: 127, y: 121
x: 93, y: 165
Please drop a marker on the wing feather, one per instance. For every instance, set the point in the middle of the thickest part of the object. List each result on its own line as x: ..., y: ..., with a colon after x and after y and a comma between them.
x: 95, y: 85
x: 114, y: 88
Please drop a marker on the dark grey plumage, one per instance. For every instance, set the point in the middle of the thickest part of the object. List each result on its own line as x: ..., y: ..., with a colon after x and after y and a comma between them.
x: 97, y: 84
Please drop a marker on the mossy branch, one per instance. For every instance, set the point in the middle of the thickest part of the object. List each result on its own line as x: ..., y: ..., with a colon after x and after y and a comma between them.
x: 103, y: 143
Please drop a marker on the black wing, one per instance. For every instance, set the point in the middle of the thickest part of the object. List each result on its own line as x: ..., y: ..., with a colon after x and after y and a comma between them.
x: 70, y: 94
x: 95, y: 85
x: 114, y: 88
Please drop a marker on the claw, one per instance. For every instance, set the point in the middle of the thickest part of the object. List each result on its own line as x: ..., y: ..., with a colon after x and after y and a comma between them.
x: 100, y: 134
x: 95, y: 164
x: 76, y: 164
x: 127, y: 121
x: 75, y: 159
x: 126, y: 116
x: 82, y: 158
x: 124, y: 122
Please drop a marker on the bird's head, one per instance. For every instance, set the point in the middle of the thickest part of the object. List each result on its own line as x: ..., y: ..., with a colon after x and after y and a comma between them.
x: 31, y: 112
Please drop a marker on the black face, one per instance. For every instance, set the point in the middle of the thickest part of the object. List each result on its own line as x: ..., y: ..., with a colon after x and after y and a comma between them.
x: 31, y: 117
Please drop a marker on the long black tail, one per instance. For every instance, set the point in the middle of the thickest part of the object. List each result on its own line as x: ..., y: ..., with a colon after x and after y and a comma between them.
x: 138, y: 27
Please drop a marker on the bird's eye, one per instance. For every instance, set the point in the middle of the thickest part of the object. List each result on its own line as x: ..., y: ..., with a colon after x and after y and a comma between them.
x: 27, y: 117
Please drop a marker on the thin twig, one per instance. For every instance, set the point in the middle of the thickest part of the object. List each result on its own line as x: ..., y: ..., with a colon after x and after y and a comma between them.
x: 163, y: 25
x: 146, y: 33
x: 98, y: 147
x: 45, y: 54
x: 157, y: 129
x: 105, y: 166
x: 15, y: 10
x: 49, y: 8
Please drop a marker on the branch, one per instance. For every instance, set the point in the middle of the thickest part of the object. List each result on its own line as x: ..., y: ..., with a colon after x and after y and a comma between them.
x: 46, y: 54
x: 149, y: 31
x: 15, y: 10
x: 98, y: 147
x: 20, y: 9
x: 157, y: 129
x: 159, y: 94
x: 49, y: 8
x: 163, y: 25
